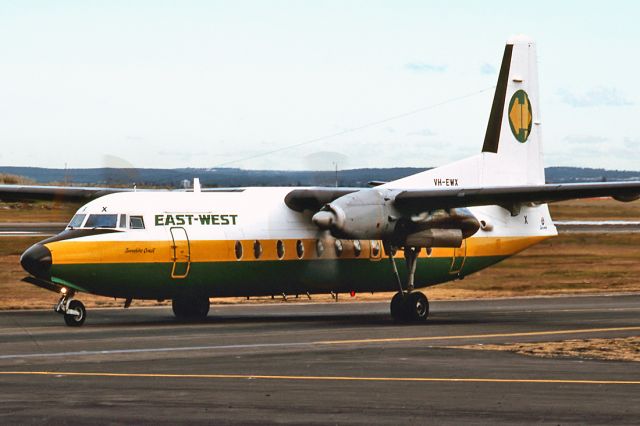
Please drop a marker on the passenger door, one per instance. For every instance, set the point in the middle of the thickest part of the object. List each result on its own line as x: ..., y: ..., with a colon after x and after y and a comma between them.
x: 181, y: 252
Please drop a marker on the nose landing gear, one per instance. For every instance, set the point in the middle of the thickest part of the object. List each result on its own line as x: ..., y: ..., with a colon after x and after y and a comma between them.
x: 73, y: 310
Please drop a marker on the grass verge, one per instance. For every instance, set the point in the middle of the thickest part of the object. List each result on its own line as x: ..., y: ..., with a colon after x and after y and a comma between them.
x: 621, y: 349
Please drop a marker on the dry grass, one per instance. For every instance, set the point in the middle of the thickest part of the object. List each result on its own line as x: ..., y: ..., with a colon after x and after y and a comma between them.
x: 621, y: 349
x: 9, y: 179
x: 595, y: 209
x: 37, y: 212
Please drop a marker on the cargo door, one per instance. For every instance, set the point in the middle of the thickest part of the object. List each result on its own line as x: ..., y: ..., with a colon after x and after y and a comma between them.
x: 459, y: 256
x: 181, y: 252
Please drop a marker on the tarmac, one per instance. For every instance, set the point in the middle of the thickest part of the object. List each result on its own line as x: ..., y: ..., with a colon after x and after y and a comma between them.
x: 319, y: 363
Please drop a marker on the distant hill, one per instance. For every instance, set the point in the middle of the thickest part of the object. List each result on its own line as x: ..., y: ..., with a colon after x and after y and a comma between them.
x: 229, y: 177
x: 578, y: 174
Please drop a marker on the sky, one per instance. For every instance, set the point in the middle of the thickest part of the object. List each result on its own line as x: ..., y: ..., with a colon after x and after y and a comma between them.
x: 350, y: 84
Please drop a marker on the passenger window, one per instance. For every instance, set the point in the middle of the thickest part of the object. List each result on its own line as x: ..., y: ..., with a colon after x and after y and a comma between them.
x: 77, y: 220
x: 102, y: 221
x: 257, y: 249
x: 238, y: 250
x: 136, y: 222
x: 357, y: 248
x: 280, y: 249
x: 375, y: 248
x: 299, y: 249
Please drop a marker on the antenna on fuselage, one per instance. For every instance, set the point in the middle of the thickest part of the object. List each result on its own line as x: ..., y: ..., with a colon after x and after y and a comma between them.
x: 196, y: 185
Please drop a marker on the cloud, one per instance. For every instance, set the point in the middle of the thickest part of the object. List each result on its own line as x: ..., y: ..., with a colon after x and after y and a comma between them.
x: 632, y: 142
x: 423, y: 133
x: 599, y: 96
x: 488, y: 69
x: 425, y: 67
x: 326, y: 160
x: 584, y: 139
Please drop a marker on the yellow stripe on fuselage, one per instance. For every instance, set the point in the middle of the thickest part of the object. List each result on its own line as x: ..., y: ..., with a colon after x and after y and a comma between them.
x: 91, y: 252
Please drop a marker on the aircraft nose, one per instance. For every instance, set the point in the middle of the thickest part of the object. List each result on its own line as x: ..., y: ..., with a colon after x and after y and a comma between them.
x: 37, y: 261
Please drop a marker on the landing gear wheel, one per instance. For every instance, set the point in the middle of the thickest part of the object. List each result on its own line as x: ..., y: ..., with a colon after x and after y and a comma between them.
x: 399, y: 307
x: 410, y: 307
x: 417, y: 306
x: 190, y: 307
x: 73, y: 319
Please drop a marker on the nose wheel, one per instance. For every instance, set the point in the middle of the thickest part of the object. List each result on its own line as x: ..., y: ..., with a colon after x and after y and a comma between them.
x: 73, y: 310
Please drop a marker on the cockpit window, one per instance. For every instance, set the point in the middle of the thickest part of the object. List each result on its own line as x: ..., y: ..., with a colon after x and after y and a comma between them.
x: 77, y: 220
x: 102, y: 221
x: 136, y: 222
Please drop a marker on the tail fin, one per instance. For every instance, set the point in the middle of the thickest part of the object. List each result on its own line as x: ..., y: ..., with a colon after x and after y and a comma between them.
x: 512, y: 150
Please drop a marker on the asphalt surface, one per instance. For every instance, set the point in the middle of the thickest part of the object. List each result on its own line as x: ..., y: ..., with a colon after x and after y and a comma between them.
x: 331, y: 363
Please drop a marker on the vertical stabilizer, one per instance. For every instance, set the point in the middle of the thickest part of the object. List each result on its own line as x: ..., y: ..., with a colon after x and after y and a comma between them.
x: 512, y: 149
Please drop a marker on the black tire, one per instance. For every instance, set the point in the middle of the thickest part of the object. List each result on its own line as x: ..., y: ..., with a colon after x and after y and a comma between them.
x: 76, y: 320
x: 417, y: 306
x: 190, y: 307
x: 177, y: 305
x: 399, y: 307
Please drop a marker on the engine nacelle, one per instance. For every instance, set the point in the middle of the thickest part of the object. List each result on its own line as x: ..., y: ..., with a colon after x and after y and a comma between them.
x: 365, y: 214
x: 371, y: 214
x: 435, y: 238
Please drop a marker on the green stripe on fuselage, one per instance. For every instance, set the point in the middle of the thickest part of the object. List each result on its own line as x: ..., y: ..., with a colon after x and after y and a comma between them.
x: 220, y: 279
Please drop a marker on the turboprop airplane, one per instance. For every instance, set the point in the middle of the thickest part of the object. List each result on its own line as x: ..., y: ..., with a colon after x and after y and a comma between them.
x: 429, y: 228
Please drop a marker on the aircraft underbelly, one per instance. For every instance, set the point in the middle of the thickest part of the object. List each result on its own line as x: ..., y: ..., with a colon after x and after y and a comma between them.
x: 219, y: 268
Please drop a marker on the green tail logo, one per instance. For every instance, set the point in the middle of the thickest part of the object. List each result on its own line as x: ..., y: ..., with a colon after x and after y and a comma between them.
x: 520, y: 116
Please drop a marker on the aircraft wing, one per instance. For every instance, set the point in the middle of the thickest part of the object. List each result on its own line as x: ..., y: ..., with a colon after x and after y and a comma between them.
x: 314, y: 198
x: 54, y: 193
x: 513, y: 195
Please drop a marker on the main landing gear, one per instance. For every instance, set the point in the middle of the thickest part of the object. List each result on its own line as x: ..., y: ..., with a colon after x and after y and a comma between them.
x: 73, y: 310
x: 190, y: 307
x: 408, y: 305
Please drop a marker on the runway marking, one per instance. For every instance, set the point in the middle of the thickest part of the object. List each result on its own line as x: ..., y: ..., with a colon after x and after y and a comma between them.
x: 313, y: 343
x: 477, y: 336
x: 318, y: 378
